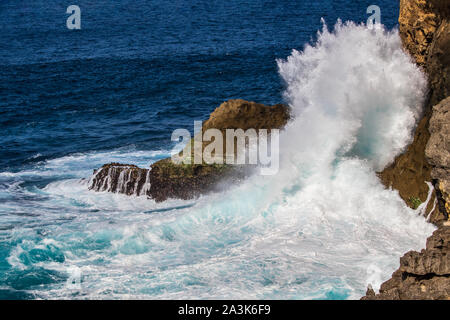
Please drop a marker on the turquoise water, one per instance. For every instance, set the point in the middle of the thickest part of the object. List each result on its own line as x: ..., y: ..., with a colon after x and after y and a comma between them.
x: 322, y: 228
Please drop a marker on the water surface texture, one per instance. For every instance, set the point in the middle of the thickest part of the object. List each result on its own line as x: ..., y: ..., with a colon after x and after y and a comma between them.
x: 72, y: 100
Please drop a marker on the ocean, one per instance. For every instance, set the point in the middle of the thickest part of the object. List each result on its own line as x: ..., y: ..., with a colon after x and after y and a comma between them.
x: 73, y: 100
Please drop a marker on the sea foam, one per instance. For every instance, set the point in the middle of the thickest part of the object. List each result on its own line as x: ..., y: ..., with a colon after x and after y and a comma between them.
x: 324, y: 227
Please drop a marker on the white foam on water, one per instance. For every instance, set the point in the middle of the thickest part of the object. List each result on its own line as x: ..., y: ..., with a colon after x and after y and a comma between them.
x: 82, y: 164
x: 324, y: 227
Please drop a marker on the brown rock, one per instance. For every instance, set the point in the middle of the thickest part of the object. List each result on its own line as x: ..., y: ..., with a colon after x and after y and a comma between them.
x: 440, y: 240
x: 241, y: 114
x: 438, y: 146
x: 185, y: 181
x: 426, y: 262
x: 438, y: 153
x: 418, y: 22
x: 425, y: 32
x: 438, y: 63
x: 422, y: 275
x: 169, y: 180
x: 188, y: 181
x: 120, y: 178
x: 424, y: 29
x: 410, y: 170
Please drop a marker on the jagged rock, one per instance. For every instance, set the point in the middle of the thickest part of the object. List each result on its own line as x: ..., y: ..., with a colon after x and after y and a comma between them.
x: 424, y: 29
x: 438, y: 63
x: 425, y: 32
x: 418, y: 22
x: 410, y: 170
x: 166, y: 179
x: 438, y: 147
x: 425, y: 262
x: 169, y: 180
x: 438, y: 152
x: 188, y: 181
x: 440, y: 240
x: 120, y: 178
x: 444, y: 195
x: 422, y: 275
x: 424, y: 26
x: 241, y: 114
x: 370, y: 292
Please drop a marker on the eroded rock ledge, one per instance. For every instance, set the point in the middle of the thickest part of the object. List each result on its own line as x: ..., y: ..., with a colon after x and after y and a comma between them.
x: 437, y: 153
x: 425, y: 32
x: 422, y: 275
x: 121, y: 178
x: 164, y: 179
x: 424, y: 29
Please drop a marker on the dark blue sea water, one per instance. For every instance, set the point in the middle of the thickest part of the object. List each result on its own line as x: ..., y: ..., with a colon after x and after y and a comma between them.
x: 115, y: 90
x: 139, y: 69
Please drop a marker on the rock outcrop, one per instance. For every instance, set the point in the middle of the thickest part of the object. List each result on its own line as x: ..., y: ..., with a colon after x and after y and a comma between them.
x: 437, y: 153
x: 121, y: 178
x: 169, y: 180
x: 241, y: 114
x: 422, y: 275
x: 166, y: 179
x: 425, y: 32
x: 424, y: 29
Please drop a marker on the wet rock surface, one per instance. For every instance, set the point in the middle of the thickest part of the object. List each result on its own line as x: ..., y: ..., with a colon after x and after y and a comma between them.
x: 168, y: 180
x: 424, y: 26
x: 121, y: 178
x: 165, y: 179
x: 424, y: 29
x: 422, y: 275
x: 425, y: 32
x: 438, y: 153
x: 241, y: 114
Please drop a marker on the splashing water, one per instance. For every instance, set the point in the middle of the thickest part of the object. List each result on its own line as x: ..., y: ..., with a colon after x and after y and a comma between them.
x: 322, y: 228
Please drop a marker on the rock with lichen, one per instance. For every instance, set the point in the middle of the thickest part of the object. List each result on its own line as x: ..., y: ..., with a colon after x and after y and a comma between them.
x: 165, y: 179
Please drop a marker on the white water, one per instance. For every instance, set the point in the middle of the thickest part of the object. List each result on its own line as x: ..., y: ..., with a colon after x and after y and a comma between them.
x: 323, y: 228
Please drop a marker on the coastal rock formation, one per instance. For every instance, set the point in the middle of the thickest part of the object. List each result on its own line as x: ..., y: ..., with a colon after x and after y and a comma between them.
x: 424, y: 29
x: 121, y: 178
x: 438, y: 153
x: 424, y: 26
x: 166, y: 179
x: 169, y: 180
x: 410, y: 170
x: 241, y: 114
x: 422, y: 275
x: 425, y: 32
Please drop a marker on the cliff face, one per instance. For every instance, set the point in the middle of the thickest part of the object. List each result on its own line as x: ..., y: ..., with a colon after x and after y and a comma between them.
x: 166, y: 180
x: 424, y: 29
x: 437, y: 152
x: 241, y: 114
x: 425, y: 32
x: 121, y: 178
x: 422, y: 275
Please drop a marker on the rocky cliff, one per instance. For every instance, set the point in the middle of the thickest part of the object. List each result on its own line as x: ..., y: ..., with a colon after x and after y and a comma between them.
x: 165, y: 179
x: 425, y: 32
x: 437, y: 153
x: 424, y: 29
x: 422, y: 275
